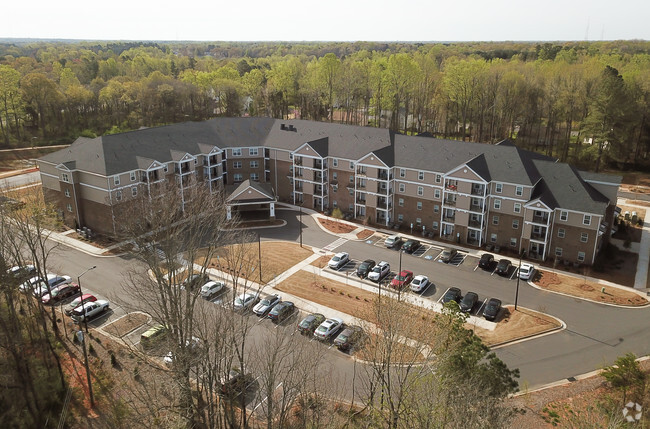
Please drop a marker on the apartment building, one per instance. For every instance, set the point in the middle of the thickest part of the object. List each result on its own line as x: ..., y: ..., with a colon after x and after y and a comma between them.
x: 468, y: 193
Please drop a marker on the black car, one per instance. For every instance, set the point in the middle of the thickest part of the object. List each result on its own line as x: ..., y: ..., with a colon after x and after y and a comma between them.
x: 364, y: 268
x: 236, y: 383
x: 486, y: 261
x: 492, y: 309
x: 468, y: 302
x: 281, y: 311
x: 350, y: 336
x: 503, y: 267
x: 452, y: 294
x: 195, y: 281
x: 411, y: 246
x: 308, y: 325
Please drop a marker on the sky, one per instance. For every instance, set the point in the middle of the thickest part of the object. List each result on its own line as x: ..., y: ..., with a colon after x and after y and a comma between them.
x: 328, y: 20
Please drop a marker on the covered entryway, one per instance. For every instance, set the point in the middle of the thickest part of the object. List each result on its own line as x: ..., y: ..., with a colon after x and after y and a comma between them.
x: 252, y: 200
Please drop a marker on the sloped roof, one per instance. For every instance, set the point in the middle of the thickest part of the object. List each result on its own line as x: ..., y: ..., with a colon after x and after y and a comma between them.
x: 236, y: 191
x: 601, y: 177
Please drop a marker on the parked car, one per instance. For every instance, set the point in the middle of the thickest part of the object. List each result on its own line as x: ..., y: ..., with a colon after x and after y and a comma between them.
x: 452, y: 294
x: 503, y: 267
x: 212, y: 289
x: 29, y: 284
x: 281, y: 311
x: 266, y: 304
x: 193, y: 281
x: 468, y: 302
x: 350, y: 336
x: 90, y: 310
x: 411, y: 246
x: 419, y: 283
x: 365, y: 267
x: 308, y: 325
x: 22, y: 273
x: 526, y: 271
x: 246, y: 301
x: 402, y: 279
x: 448, y: 254
x: 85, y: 298
x: 486, y: 262
x: 393, y: 241
x: 379, y: 271
x: 54, y: 281
x: 60, y: 293
x: 339, y: 260
x: 492, y: 309
x: 236, y: 383
x: 193, y: 347
x: 152, y: 336
x: 328, y: 328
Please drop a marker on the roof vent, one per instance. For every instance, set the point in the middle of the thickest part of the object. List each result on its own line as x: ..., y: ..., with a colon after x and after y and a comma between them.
x: 292, y: 128
x: 283, y: 127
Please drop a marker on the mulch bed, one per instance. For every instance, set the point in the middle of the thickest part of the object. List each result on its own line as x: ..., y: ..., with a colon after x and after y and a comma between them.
x: 126, y: 324
x: 366, y: 233
x: 336, y: 227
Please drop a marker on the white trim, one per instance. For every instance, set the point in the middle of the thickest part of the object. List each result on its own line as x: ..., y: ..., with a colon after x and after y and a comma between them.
x: 535, y: 201
x: 359, y: 161
x: 599, y: 182
x: 469, y: 168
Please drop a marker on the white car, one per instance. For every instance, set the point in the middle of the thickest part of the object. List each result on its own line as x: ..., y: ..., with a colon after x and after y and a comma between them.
x: 379, y: 271
x: 212, y: 289
x: 266, y: 304
x: 526, y: 271
x: 245, y: 301
x: 54, y: 281
x: 89, y: 310
x: 419, y: 283
x: 194, y: 344
x: 392, y: 241
x: 328, y: 328
x: 339, y: 260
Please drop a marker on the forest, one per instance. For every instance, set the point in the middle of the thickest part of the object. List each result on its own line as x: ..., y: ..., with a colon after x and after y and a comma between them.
x: 586, y: 103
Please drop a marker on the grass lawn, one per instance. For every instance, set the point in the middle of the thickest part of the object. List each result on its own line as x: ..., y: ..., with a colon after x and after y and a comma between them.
x: 578, y: 287
x: 516, y: 324
x: 321, y: 262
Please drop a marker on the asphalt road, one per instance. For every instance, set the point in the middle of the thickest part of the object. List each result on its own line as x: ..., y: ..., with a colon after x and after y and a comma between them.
x: 595, y: 335
x: 20, y: 180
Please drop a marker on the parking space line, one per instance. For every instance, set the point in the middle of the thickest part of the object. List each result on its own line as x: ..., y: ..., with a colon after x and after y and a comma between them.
x: 513, y: 274
x: 476, y: 267
x: 482, y: 305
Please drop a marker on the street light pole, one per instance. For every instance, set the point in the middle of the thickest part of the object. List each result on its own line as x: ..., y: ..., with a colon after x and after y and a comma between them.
x: 300, y: 207
x: 521, y: 255
x: 399, y: 290
x: 259, y: 254
x: 83, y: 306
x: 90, y: 384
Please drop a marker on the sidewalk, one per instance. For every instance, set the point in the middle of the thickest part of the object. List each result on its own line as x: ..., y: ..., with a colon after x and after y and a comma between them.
x: 82, y: 246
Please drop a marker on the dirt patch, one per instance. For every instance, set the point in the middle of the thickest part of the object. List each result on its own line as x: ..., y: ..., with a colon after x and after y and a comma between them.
x: 401, y: 353
x: 126, y: 324
x: 513, y: 325
x: 580, y: 288
x: 330, y: 293
x: 366, y: 233
x: 335, y: 226
x: 321, y: 262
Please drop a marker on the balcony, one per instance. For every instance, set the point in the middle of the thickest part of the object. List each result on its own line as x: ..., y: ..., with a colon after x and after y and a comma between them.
x: 449, y: 202
x: 361, y: 201
x: 474, y: 223
x: 450, y: 186
x: 541, y: 219
x: 361, y: 185
x: 297, y: 161
x: 449, y: 218
x: 382, y: 175
x: 476, y: 208
x: 541, y: 236
x: 318, y: 164
x: 361, y: 172
x: 383, y: 191
x: 478, y: 191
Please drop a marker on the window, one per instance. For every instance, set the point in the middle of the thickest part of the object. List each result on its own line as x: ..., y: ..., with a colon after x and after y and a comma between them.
x: 436, y: 194
x: 519, y: 191
x: 351, y: 191
x: 435, y: 225
x: 400, y: 202
x: 586, y: 220
x: 255, y: 164
x: 335, y: 204
x: 560, y: 233
x: 495, y: 220
x: 253, y: 151
x: 419, y: 205
x: 517, y: 207
x: 400, y: 217
x: 290, y: 156
x: 118, y: 195
x: 335, y: 175
x: 513, y: 242
x: 67, y: 192
x: 255, y: 176
x: 65, y: 178
x: 436, y: 209
x: 493, y: 238
x: 418, y: 221
x: 116, y: 180
x: 498, y: 188
x: 238, y: 177
x: 132, y: 176
x: 236, y: 152
x: 236, y: 164
x: 420, y: 175
x: 351, y: 179
x: 134, y: 191
x: 420, y: 190
x: 497, y: 204
x: 584, y: 237
x: 335, y: 162
x: 558, y: 251
x: 402, y: 187
x: 581, y: 256
x: 402, y: 172
x: 351, y: 208
x: 165, y: 168
x: 335, y: 188
x: 351, y: 165
x: 515, y: 224
x: 564, y: 215
x: 438, y: 178
x: 69, y: 207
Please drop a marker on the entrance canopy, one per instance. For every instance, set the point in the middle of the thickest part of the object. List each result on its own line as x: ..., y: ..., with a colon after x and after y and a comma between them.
x: 251, y: 197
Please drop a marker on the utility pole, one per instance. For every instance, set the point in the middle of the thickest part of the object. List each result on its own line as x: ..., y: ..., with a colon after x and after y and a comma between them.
x: 82, y: 338
x: 259, y: 254
x: 521, y: 255
x: 83, y: 304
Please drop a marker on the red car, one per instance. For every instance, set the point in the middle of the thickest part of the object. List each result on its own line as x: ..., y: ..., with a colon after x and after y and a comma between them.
x: 86, y: 298
x: 60, y: 293
x: 402, y: 279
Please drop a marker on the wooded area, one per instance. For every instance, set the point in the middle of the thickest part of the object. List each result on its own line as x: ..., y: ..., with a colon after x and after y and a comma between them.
x: 583, y: 102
